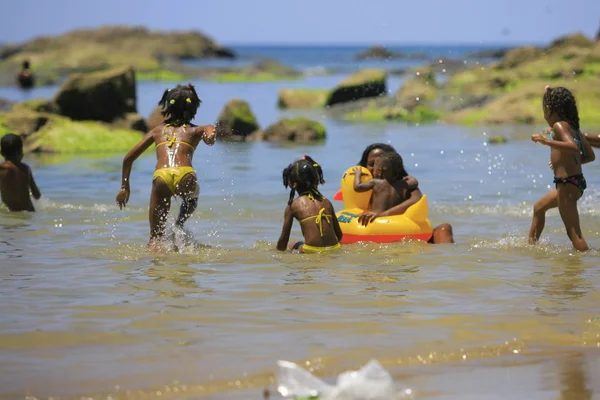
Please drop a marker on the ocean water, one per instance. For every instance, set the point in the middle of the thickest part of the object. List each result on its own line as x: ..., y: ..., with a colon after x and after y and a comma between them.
x: 88, y: 312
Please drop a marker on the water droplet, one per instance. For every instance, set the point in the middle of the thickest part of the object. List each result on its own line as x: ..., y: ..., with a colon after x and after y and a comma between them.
x: 441, y: 151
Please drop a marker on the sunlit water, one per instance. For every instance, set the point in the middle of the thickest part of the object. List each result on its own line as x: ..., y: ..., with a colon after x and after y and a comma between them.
x: 87, y: 311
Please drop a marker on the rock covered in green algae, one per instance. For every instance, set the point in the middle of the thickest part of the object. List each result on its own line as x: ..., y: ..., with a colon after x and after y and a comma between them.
x: 236, y: 121
x: 51, y: 133
x: 298, y: 130
x: 113, y: 46
x: 302, y: 98
x: 363, y: 84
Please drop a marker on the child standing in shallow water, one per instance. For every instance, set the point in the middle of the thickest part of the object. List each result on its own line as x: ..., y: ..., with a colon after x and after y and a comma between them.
x: 320, y: 227
x: 176, y: 140
x: 569, y: 150
x: 16, y: 178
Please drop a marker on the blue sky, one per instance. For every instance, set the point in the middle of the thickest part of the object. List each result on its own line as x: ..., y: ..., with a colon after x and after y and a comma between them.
x: 315, y: 21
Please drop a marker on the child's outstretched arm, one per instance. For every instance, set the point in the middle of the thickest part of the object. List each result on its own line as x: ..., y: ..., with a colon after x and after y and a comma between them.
x: 564, y: 142
x: 208, y: 134
x: 32, y: 185
x: 284, y: 238
x: 365, y: 186
x: 594, y: 140
x: 138, y: 150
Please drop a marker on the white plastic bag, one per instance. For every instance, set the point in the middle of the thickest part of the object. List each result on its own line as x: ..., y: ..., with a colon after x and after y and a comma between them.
x: 371, y: 382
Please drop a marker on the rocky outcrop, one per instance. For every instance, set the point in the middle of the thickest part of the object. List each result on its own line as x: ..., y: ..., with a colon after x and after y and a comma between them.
x: 518, y: 56
x: 382, y: 53
x: 51, y: 133
x: 113, y: 46
x: 573, y: 40
x: 298, y: 130
x: 236, y: 121
x: 302, y: 98
x: 420, y: 90
x: 363, y: 84
x: 102, y: 96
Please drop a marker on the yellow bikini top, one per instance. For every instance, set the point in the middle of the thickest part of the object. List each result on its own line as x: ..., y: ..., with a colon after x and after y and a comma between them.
x: 171, y: 140
x: 319, y: 219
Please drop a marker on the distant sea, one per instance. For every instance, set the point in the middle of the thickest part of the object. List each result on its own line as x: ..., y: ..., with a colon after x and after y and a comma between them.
x: 340, y: 58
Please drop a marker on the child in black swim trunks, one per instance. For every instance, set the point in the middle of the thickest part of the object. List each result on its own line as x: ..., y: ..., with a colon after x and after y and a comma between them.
x: 320, y: 227
x: 569, y: 151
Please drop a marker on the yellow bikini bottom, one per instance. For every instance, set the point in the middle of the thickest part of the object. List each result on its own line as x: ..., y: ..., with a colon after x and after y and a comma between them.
x: 314, y: 250
x: 172, y: 176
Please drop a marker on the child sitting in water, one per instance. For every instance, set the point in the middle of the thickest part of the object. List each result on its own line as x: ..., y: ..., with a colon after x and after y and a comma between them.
x: 320, y: 227
x: 389, y: 188
x: 569, y: 150
x: 16, y: 178
x: 176, y: 140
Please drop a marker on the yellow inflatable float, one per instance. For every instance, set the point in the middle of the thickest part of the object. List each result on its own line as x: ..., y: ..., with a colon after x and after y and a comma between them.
x: 413, y: 224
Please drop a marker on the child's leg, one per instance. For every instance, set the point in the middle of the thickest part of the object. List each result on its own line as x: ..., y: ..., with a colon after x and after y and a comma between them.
x: 160, y: 203
x: 442, y: 234
x: 539, y: 215
x: 568, y: 195
x: 187, y: 189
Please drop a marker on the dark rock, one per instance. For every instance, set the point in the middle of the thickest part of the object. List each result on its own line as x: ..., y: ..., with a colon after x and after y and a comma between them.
x: 101, y: 96
x: 382, y: 53
x: 236, y: 121
x: 298, y: 130
x: 363, y: 84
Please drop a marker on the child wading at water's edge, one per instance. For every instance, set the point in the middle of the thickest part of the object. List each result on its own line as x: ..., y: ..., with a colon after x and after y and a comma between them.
x: 16, y: 178
x: 320, y: 227
x: 569, y: 150
x: 176, y: 140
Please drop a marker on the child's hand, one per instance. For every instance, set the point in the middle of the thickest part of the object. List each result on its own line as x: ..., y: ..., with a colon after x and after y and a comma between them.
x: 357, y: 171
x: 122, y: 198
x: 367, y: 217
x: 539, y: 138
x: 209, y: 135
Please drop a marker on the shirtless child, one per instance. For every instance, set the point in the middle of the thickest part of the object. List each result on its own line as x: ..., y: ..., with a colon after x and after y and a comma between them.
x: 389, y: 189
x: 16, y: 178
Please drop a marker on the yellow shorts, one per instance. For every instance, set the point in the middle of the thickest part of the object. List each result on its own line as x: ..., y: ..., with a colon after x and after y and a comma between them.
x: 314, y: 250
x: 172, y: 176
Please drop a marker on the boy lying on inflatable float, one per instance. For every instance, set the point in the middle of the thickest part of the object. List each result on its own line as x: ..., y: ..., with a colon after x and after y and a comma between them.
x: 382, y: 203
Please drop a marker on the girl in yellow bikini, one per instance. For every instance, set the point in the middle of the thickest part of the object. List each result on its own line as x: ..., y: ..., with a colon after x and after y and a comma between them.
x: 315, y: 213
x: 176, y: 140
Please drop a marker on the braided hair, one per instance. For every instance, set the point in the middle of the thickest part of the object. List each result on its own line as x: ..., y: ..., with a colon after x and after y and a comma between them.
x: 180, y: 104
x: 561, y: 101
x: 303, y: 176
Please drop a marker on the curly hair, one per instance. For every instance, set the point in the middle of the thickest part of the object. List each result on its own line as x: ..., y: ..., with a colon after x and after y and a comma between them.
x: 561, y: 101
x: 180, y: 104
x: 303, y: 176
x: 395, y: 163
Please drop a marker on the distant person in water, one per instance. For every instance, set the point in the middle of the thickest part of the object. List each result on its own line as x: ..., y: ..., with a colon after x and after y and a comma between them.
x: 441, y: 234
x: 569, y: 150
x: 176, y: 140
x: 390, y: 189
x: 320, y: 227
x: 25, y: 78
x: 16, y: 179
